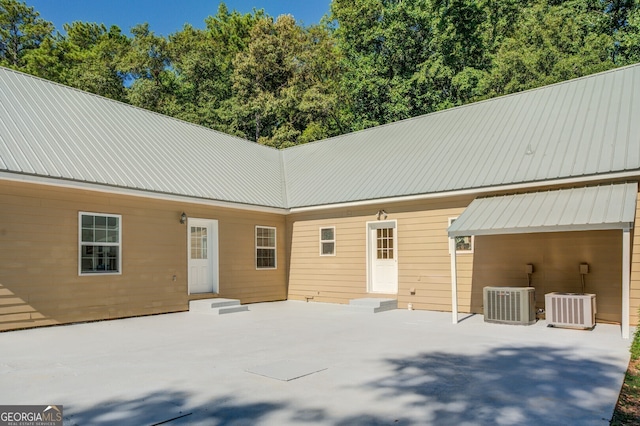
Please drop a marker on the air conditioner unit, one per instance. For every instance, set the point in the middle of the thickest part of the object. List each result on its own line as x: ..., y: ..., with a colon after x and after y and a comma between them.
x: 575, y: 310
x: 509, y: 305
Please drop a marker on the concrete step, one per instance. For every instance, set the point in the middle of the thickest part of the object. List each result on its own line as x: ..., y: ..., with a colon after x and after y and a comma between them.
x: 217, y: 306
x: 373, y: 304
x: 229, y: 309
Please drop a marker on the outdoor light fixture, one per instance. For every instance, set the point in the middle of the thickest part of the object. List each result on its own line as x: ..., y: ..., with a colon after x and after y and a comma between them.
x: 381, y: 214
x: 183, y: 218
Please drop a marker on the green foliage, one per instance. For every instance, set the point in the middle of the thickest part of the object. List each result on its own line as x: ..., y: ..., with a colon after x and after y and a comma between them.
x: 21, y: 30
x: 626, y: 411
x: 629, y: 38
x: 370, y: 62
x: 552, y: 43
x: 283, y: 82
x: 92, y: 58
x: 384, y: 44
x: 635, y: 345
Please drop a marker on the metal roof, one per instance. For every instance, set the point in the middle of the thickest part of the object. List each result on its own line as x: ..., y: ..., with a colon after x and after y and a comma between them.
x: 577, y: 209
x: 51, y: 130
x: 587, y: 126
x: 575, y: 129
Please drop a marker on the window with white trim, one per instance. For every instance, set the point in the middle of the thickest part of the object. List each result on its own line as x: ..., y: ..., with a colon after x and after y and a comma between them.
x: 100, y: 248
x: 464, y: 244
x: 328, y: 241
x: 265, y: 247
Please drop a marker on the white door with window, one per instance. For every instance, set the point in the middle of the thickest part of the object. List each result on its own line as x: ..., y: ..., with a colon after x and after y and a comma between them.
x: 382, y: 257
x: 203, y: 255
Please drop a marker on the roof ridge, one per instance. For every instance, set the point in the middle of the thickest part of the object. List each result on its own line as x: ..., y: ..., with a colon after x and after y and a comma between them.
x: 283, y: 177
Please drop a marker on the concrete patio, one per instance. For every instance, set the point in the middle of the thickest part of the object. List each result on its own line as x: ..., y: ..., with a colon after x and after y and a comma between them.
x: 396, y: 367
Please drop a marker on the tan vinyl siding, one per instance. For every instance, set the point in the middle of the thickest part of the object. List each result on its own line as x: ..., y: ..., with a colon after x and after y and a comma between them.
x: 239, y: 278
x: 424, y: 260
x: 39, y: 281
x: 500, y: 261
x: 423, y: 255
x: 327, y: 278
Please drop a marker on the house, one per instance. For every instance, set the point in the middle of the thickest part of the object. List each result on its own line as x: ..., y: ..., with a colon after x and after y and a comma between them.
x: 109, y: 211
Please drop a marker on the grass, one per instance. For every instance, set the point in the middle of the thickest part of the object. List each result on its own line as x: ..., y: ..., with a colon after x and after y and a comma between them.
x: 627, y: 412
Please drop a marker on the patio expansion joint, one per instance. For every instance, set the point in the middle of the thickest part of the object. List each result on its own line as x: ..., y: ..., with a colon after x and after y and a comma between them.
x: 287, y: 370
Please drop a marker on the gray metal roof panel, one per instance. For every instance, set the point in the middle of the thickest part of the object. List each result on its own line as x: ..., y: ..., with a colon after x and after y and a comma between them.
x: 577, y: 128
x: 51, y: 130
x: 581, y: 127
x: 599, y: 207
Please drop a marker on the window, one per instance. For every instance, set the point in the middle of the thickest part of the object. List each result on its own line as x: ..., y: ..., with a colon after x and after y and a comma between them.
x: 384, y: 243
x: 265, y: 247
x: 100, y: 249
x: 328, y: 241
x: 199, y: 242
x: 463, y: 244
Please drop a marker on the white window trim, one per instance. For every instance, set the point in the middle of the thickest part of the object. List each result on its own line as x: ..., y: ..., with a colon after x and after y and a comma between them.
x: 274, y: 248
x: 473, y: 241
x: 327, y: 241
x: 118, y: 244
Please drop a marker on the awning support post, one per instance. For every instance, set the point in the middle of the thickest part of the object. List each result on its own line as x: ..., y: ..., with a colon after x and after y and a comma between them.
x: 454, y: 280
x: 626, y: 280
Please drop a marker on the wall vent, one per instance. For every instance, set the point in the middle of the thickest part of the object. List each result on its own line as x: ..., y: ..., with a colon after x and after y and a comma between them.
x: 509, y: 305
x: 574, y: 310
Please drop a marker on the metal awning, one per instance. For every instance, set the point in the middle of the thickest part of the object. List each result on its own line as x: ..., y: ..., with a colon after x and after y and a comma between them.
x: 610, y: 206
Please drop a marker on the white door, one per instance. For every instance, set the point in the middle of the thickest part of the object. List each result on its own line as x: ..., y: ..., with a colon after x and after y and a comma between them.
x: 203, y: 255
x: 383, y: 257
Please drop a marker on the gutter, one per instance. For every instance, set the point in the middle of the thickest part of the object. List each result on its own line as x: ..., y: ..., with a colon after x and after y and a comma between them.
x: 634, y: 175
x: 61, y: 183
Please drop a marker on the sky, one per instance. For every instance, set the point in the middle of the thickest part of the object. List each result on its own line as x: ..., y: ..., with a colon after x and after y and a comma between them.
x: 168, y: 16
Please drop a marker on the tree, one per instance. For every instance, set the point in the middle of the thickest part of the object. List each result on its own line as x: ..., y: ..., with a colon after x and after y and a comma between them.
x: 281, y: 81
x: 203, y: 63
x: 553, y: 42
x: 147, y: 63
x: 410, y: 57
x: 321, y: 99
x: 87, y: 57
x: 629, y: 38
x: 625, y: 24
x: 21, y: 30
x: 383, y: 43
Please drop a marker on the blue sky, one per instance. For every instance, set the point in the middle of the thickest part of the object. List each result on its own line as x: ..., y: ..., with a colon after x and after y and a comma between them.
x: 168, y: 16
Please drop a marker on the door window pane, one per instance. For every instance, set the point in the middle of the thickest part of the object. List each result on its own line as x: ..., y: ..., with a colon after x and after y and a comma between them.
x: 384, y: 243
x: 199, y: 242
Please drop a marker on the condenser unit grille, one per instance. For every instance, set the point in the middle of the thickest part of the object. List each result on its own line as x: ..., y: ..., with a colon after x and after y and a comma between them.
x: 570, y: 310
x: 509, y: 305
